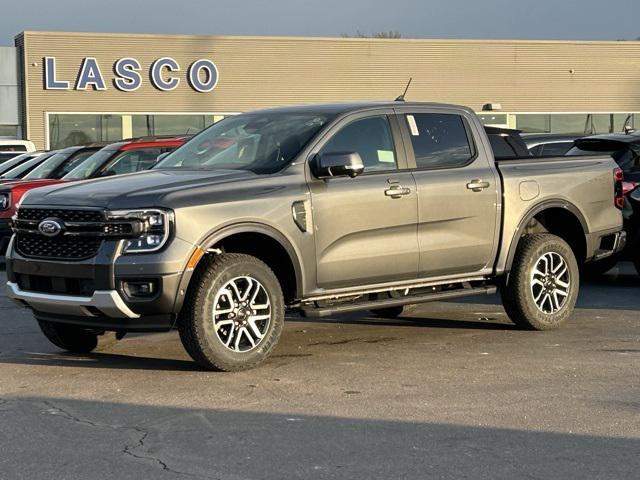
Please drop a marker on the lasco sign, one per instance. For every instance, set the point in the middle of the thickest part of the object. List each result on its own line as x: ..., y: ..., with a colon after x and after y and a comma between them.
x: 165, y: 75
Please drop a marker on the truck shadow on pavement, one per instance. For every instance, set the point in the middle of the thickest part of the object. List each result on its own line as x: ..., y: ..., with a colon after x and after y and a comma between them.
x: 103, y: 439
x: 101, y: 361
x: 414, y: 320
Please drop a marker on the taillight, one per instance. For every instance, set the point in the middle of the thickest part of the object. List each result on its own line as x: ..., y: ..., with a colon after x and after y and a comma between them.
x: 618, y: 180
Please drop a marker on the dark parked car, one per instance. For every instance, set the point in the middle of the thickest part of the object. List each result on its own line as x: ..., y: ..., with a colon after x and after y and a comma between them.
x: 632, y: 224
x: 23, y: 167
x: 17, y: 160
x: 80, y: 163
x: 625, y: 150
x: 549, y: 144
x: 506, y: 143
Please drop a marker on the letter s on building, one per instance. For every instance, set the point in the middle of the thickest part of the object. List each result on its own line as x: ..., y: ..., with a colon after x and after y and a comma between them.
x: 127, y: 71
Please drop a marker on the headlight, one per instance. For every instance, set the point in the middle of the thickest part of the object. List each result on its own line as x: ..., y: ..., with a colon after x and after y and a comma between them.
x: 155, y: 229
x: 5, y: 201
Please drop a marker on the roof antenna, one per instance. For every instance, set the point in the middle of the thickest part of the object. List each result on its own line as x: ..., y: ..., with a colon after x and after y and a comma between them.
x: 401, y: 97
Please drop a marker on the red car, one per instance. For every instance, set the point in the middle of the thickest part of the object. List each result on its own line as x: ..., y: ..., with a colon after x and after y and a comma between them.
x: 80, y: 163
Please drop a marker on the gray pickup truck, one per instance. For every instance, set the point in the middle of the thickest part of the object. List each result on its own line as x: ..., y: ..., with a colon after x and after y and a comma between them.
x: 316, y: 209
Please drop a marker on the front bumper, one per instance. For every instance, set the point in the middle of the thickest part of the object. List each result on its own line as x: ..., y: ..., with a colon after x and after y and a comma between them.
x: 106, y: 302
x: 93, y: 292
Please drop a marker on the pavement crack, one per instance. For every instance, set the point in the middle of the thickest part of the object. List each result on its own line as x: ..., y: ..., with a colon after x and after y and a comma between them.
x: 56, y: 410
x: 129, y: 449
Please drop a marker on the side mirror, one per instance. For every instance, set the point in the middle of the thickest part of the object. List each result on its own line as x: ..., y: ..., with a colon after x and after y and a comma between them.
x: 337, y: 164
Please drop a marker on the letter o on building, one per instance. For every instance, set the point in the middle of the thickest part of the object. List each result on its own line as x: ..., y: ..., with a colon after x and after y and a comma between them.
x: 211, y: 75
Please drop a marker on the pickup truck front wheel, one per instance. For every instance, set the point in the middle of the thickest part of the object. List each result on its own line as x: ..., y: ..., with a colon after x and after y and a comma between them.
x: 233, y: 314
x: 542, y: 288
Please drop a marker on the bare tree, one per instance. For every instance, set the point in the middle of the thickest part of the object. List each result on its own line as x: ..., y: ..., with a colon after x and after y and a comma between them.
x: 387, y: 34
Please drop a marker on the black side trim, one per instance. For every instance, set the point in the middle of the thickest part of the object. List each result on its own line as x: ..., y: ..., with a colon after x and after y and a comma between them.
x: 532, y: 212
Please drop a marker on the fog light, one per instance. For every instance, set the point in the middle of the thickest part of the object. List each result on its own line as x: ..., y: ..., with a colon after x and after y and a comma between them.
x: 145, y: 288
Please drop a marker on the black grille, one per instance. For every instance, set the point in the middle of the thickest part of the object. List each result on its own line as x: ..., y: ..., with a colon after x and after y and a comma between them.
x: 37, y: 214
x: 80, y: 238
x: 62, y: 248
x: 70, y: 286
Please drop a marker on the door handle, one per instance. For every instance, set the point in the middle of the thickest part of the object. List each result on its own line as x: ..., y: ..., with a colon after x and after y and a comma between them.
x: 477, y: 185
x: 397, y: 191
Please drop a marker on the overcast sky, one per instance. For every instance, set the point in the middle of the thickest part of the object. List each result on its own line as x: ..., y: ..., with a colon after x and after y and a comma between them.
x: 530, y: 19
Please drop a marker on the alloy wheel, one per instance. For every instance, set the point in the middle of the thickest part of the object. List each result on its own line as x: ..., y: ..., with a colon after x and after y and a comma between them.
x: 550, y: 282
x: 241, y: 314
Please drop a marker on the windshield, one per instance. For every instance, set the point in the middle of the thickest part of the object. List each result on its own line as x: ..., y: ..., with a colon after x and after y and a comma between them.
x: 261, y: 143
x: 9, y: 164
x: 90, y: 166
x: 4, y: 156
x: 45, y: 168
x: 25, y: 167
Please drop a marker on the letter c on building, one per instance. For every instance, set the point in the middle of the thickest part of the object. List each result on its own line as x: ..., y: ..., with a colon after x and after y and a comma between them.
x: 211, y: 73
x: 156, y: 74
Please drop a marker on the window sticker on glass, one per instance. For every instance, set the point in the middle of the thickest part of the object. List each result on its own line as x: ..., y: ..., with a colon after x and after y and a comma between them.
x: 386, y: 156
x: 412, y: 125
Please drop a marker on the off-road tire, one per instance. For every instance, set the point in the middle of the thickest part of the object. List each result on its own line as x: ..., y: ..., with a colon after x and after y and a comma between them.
x: 517, y: 295
x: 69, y: 338
x: 389, y: 312
x: 195, y: 324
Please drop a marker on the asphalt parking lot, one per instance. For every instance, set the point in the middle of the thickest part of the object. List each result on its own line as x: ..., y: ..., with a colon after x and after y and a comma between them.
x: 450, y: 390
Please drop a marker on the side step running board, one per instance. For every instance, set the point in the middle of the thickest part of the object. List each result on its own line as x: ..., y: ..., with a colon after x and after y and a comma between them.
x: 309, y: 311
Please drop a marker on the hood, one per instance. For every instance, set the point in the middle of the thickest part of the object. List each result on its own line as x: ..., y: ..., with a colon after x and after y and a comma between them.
x: 28, y: 184
x: 152, y: 188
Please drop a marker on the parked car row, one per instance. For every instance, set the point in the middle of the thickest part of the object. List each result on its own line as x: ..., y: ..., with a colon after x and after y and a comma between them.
x: 29, y: 171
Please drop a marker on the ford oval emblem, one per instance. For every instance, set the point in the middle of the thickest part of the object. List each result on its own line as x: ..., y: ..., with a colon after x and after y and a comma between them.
x: 50, y: 227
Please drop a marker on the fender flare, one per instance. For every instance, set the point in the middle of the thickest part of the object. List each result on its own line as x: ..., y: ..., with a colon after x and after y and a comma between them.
x: 219, y: 234
x: 254, y: 227
x: 535, y: 210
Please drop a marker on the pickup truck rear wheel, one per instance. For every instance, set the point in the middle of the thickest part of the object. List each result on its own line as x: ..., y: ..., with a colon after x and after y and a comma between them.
x: 233, y: 314
x: 67, y: 337
x: 542, y: 288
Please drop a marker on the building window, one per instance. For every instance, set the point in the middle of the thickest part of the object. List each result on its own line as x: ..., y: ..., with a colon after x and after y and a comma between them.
x: 66, y: 130
x: 149, y: 125
x: 9, y: 131
x: 533, y: 123
x: 494, y: 119
x: 574, y: 123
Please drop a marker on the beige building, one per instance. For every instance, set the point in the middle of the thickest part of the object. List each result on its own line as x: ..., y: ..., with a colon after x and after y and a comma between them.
x: 78, y: 87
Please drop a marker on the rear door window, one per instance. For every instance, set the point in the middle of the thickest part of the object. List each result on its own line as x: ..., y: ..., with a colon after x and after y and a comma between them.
x: 439, y: 140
